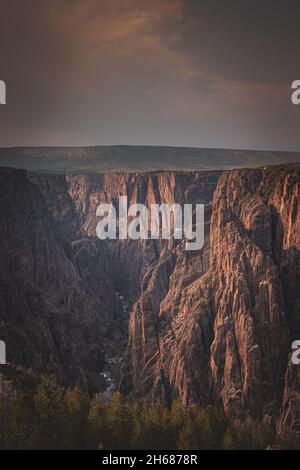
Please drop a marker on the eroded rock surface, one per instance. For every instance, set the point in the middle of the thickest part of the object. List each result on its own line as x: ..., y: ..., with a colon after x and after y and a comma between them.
x: 209, y: 326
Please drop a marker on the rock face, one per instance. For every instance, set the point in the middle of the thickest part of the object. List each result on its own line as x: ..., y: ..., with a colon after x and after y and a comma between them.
x: 131, y: 259
x: 208, y: 326
x: 217, y: 325
x: 50, y: 318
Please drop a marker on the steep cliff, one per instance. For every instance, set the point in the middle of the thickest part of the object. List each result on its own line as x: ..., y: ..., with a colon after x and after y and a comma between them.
x: 51, y: 320
x: 209, y: 326
x: 131, y: 259
x: 217, y: 325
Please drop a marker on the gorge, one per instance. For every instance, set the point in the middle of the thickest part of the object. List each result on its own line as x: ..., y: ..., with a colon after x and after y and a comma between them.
x: 209, y: 326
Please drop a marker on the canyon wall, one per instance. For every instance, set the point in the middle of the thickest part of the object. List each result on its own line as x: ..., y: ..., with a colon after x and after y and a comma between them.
x: 216, y: 326
x: 209, y: 326
x: 51, y: 320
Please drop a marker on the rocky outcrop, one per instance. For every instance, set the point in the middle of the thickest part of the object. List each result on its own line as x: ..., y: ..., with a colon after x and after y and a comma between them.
x: 131, y: 259
x: 51, y: 320
x: 220, y: 329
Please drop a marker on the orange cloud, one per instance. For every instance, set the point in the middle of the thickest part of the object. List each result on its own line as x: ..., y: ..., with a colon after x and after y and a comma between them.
x: 122, y: 34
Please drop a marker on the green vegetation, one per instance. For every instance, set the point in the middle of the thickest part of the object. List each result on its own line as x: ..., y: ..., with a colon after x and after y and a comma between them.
x: 135, y: 158
x: 51, y: 417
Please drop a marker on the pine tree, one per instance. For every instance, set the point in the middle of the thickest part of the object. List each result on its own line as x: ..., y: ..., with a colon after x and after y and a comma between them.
x: 152, y: 427
x: 248, y: 434
x: 77, y: 425
x: 19, y: 428
x: 97, y: 423
x: 189, y: 437
x: 119, y: 423
x: 213, y: 425
x: 52, y: 416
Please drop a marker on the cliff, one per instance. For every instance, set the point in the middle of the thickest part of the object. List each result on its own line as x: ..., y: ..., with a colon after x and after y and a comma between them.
x: 210, y: 326
x: 51, y: 320
x: 217, y: 326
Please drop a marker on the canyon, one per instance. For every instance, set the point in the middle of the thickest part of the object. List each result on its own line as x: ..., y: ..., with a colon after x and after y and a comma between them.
x: 146, y: 316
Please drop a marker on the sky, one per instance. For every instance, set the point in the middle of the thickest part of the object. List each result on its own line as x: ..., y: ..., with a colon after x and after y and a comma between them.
x: 150, y: 72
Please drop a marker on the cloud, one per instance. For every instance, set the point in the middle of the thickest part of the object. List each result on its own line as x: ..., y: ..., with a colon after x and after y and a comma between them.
x: 134, y: 36
x: 243, y: 93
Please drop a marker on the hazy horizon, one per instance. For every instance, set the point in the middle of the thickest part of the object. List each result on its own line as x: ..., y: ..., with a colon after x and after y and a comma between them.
x: 128, y: 159
x: 233, y: 149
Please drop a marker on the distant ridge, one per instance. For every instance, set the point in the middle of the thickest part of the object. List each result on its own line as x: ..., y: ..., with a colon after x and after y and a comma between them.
x: 126, y: 158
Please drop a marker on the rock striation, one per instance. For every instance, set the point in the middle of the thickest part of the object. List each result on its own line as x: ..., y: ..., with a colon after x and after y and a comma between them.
x: 209, y: 326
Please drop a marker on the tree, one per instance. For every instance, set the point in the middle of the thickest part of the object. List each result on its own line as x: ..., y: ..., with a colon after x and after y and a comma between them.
x: 19, y: 427
x: 97, y: 423
x: 213, y: 424
x: 152, y: 427
x: 52, y: 416
x: 118, y: 423
x: 190, y: 436
x: 248, y: 434
x: 77, y: 406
